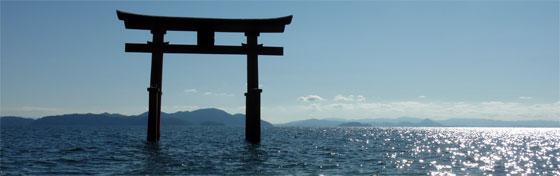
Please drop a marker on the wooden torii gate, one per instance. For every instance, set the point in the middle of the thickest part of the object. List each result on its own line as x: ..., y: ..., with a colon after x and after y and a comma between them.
x: 205, y: 29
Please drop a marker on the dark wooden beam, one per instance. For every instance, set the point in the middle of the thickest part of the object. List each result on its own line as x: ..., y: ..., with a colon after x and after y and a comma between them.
x: 148, y: 22
x: 205, y: 38
x: 195, y: 49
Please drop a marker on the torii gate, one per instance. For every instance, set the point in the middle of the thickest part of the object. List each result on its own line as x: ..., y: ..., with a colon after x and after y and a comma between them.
x: 205, y: 29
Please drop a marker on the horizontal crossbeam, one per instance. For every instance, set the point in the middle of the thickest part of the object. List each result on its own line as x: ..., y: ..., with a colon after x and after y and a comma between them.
x: 149, y: 22
x: 195, y: 49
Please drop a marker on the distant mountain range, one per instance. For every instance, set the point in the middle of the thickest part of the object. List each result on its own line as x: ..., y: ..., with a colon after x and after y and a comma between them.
x: 206, y: 117
x: 217, y: 117
x: 418, y: 122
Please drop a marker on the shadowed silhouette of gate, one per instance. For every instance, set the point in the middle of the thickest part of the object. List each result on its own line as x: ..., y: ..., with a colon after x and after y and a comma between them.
x: 205, y: 29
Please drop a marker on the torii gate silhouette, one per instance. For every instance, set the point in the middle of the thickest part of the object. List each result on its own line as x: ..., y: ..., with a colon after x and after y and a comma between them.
x: 205, y: 29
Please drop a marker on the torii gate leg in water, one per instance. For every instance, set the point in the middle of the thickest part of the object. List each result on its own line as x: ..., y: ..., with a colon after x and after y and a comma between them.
x: 253, y: 95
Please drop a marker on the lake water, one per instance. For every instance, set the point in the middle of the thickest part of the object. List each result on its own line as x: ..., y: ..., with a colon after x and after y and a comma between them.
x: 284, y: 150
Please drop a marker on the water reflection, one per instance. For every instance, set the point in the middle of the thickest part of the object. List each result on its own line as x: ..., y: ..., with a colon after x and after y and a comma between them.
x: 478, y: 151
x: 283, y: 151
x: 252, y: 159
x: 155, y: 160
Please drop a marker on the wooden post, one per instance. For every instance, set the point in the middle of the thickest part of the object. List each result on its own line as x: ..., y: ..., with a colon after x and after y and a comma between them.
x: 154, y: 90
x: 253, y: 95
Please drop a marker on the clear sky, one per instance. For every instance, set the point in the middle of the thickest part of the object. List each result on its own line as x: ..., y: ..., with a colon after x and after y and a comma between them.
x: 428, y: 59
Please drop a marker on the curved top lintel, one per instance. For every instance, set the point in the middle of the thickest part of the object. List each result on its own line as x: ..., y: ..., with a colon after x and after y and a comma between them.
x: 149, y: 22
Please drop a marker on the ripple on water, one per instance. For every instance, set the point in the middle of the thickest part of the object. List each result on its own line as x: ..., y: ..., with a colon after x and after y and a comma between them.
x: 222, y: 150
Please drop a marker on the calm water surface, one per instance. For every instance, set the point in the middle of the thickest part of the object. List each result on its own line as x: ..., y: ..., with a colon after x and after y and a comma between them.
x: 284, y: 150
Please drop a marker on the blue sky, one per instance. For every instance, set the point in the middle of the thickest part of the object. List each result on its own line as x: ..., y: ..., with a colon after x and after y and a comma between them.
x: 428, y: 59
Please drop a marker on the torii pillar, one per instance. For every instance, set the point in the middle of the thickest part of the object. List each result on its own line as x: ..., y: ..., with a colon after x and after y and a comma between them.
x: 253, y: 95
x: 155, y: 89
x: 205, y: 28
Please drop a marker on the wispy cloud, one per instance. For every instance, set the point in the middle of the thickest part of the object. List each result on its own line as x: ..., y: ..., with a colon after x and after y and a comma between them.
x: 190, y: 91
x: 357, y: 106
x: 437, y: 110
x: 218, y: 94
x: 36, y: 108
x: 31, y: 111
x: 207, y: 93
x: 525, y: 98
x: 310, y: 98
x: 349, y: 98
